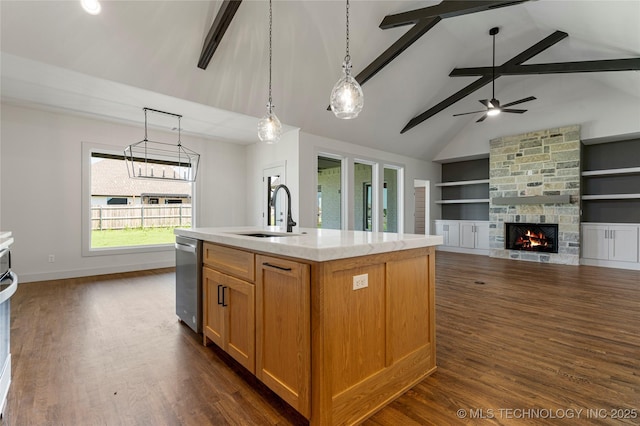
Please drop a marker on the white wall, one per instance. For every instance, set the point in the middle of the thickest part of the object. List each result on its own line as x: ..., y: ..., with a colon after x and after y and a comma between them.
x: 606, y: 111
x: 311, y: 145
x: 41, y: 190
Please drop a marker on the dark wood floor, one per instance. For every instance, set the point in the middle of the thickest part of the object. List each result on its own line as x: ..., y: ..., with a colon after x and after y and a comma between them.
x: 517, y: 343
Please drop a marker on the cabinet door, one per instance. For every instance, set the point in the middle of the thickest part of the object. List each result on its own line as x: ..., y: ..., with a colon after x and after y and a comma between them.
x: 623, y: 243
x: 283, y: 331
x: 239, y: 296
x: 229, y: 316
x: 594, y: 243
x: 482, y: 235
x: 467, y: 235
x: 212, y: 309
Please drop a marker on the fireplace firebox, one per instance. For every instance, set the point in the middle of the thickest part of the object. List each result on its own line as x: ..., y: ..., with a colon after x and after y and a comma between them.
x: 537, y: 237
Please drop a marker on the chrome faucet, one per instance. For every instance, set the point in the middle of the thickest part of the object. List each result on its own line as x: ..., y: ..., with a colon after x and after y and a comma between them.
x: 290, y: 222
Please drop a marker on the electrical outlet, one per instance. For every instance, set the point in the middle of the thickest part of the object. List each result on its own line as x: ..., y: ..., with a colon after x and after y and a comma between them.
x: 52, y: 258
x: 360, y: 281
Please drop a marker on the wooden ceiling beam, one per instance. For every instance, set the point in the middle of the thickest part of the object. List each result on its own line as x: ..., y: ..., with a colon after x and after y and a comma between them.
x: 445, y: 9
x: 607, y: 65
x: 216, y: 32
x: 487, y: 78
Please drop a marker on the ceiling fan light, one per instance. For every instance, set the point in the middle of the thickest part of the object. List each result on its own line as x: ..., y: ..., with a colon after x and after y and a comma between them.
x: 493, y: 111
x: 92, y: 7
x: 269, y: 127
x: 347, y: 98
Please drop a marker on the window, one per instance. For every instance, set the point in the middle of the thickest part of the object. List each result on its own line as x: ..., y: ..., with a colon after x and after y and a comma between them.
x: 130, y: 214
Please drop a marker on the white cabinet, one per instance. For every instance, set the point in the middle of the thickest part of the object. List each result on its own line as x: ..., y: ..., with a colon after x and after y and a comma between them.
x: 474, y: 235
x: 450, y: 231
x: 610, y: 242
x: 464, y: 236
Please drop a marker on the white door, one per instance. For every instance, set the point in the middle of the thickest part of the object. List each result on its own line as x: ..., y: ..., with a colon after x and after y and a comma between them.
x: 467, y: 235
x: 482, y: 235
x: 623, y: 243
x: 272, y: 177
x: 595, y: 245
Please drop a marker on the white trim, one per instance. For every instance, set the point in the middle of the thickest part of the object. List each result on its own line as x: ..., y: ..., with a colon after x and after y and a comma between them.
x: 87, y: 272
x: 610, y: 264
x: 482, y: 252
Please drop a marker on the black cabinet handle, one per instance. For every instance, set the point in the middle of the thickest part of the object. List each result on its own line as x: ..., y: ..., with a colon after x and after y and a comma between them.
x: 219, y: 287
x: 223, y: 303
x: 276, y: 266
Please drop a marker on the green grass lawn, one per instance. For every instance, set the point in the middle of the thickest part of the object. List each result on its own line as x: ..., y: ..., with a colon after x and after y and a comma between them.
x: 132, y: 237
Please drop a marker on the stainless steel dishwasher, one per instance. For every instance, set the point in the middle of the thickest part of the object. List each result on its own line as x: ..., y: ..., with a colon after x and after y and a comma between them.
x: 189, y: 282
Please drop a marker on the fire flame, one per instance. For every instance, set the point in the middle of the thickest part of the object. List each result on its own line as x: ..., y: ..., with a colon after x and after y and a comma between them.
x: 532, y: 239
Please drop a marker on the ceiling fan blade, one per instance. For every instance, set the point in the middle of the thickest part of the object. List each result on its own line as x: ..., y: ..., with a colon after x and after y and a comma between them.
x: 481, y: 118
x: 485, y: 102
x: 465, y: 113
x: 530, y: 98
x: 515, y: 111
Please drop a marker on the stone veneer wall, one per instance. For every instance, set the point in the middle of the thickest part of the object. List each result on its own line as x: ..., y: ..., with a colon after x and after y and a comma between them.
x: 545, y: 162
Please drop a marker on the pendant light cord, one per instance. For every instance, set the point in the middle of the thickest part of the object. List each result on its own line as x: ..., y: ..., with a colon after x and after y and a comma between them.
x: 347, y: 57
x: 270, y: 52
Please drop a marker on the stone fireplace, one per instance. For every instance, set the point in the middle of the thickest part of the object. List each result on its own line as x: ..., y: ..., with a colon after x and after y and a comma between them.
x: 535, y: 180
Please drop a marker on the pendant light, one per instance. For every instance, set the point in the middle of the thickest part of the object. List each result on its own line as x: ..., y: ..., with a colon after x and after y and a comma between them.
x: 171, y: 161
x: 269, y: 127
x: 346, y: 97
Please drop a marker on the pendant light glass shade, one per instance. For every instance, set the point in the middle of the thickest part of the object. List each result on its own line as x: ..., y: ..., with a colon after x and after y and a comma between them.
x: 269, y: 127
x: 347, y: 98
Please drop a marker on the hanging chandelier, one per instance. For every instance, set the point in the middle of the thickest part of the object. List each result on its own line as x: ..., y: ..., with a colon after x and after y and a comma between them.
x: 347, y: 99
x: 159, y: 160
x: 269, y: 127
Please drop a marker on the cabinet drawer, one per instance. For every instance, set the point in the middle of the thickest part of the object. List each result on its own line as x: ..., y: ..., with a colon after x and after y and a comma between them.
x: 232, y: 261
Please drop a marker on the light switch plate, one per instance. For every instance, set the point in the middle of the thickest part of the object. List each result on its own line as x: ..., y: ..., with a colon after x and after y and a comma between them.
x: 360, y: 281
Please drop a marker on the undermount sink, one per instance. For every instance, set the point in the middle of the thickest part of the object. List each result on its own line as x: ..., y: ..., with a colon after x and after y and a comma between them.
x: 259, y: 234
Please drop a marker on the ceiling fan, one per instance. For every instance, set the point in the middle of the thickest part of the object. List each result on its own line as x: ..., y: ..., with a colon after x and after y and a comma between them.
x: 493, y: 106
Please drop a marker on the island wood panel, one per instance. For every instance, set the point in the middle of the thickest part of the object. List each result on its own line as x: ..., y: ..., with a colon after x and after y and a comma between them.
x: 283, y: 335
x: 229, y: 260
x: 358, y: 366
x: 230, y: 316
x: 410, y: 302
x: 356, y: 323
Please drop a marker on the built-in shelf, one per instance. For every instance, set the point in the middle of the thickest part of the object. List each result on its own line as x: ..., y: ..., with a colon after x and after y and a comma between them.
x: 463, y: 182
x: 611, y: 197
x: 612, y: 172
x: 465, y: 201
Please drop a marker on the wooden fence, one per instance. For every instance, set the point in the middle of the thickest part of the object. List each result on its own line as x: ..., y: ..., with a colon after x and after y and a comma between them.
x: 140, y: 216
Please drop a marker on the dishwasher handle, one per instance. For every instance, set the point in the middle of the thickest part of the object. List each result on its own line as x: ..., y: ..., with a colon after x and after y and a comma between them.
x: 186, y: 247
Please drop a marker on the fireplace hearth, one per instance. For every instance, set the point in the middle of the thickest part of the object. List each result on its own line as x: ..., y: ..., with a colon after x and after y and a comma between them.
x: 535, y: 237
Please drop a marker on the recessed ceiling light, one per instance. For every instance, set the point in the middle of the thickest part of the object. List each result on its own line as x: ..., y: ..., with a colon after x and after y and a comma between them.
x: 91, y: 6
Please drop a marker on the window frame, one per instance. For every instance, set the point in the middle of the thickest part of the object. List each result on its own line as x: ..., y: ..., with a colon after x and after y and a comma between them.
x: 88, y: 148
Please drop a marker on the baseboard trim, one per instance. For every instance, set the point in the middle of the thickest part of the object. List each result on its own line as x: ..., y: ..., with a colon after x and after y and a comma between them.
x: 88, y: 272
x: 482, y: 252
x: 611, y: 264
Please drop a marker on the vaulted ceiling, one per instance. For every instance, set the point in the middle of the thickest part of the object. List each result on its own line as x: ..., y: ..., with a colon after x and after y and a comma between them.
x: 145, y: 54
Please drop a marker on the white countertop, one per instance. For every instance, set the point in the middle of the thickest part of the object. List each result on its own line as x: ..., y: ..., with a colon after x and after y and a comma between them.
x: 313, y: 244
x: 5, y: 239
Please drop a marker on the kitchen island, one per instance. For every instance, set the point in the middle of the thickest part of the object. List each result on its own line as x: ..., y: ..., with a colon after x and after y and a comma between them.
x: 337, y: 323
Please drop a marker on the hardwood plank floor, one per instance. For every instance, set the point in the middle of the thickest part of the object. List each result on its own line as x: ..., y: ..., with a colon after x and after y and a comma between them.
x: 512, y: 338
